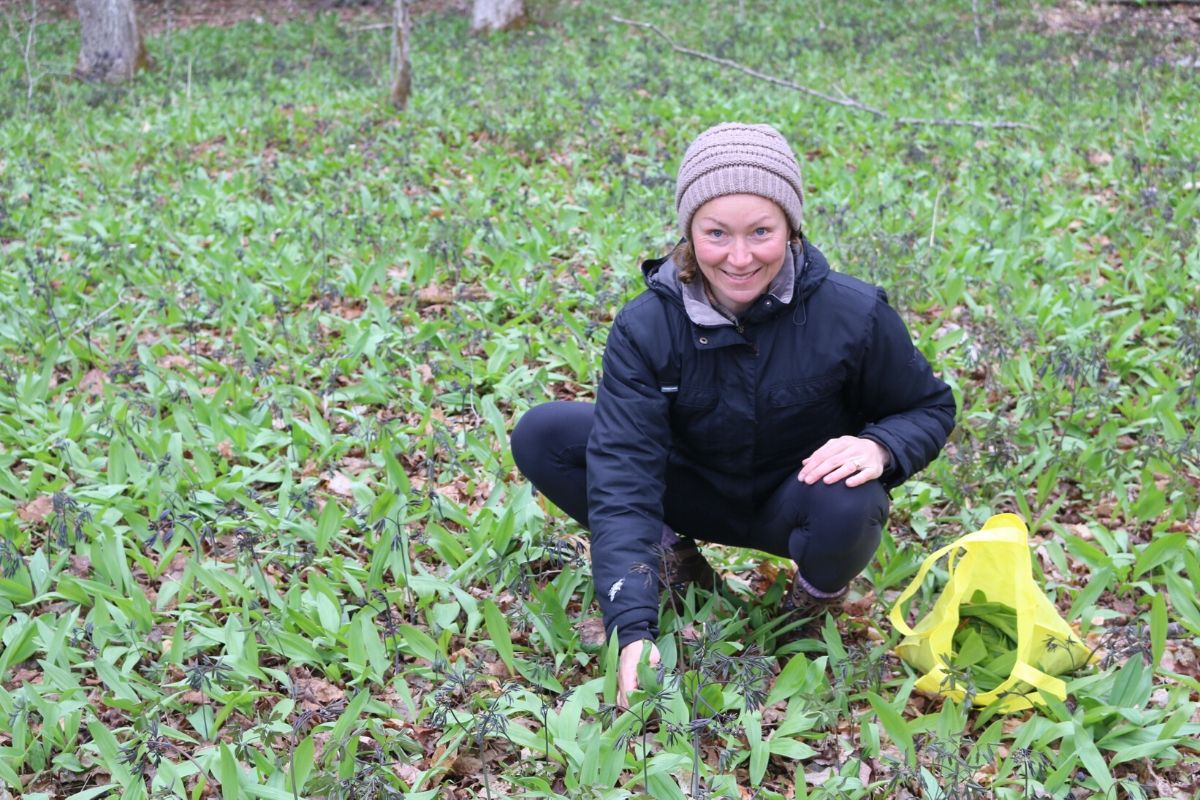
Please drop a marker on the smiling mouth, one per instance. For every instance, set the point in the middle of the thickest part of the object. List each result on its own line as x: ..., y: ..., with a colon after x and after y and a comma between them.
x: 736, y: 278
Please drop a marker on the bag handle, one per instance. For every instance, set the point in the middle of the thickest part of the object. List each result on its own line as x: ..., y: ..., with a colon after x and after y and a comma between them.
x: 1008, y: 528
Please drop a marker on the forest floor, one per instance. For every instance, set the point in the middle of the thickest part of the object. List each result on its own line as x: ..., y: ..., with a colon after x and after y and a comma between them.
x: 265, y: 338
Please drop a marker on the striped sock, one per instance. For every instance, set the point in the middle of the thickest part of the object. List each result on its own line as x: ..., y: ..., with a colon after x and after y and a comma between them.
x: 815, y: 592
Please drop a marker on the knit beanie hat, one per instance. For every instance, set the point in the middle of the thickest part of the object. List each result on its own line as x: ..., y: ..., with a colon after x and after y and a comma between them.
x: 735, y: 158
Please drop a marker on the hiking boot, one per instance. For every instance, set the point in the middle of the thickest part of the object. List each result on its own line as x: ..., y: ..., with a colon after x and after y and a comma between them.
x: 683, y: 564
x: 804, y: 600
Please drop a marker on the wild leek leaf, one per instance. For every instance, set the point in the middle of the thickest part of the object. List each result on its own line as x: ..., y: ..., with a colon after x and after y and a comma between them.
x: 986, y: 641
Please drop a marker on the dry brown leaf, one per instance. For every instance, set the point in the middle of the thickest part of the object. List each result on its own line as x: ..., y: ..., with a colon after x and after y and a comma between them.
x: 79, y: 566
x: 465, y: 765
x: 355, y: 465
x: 434, y: 295
x: 174, y: 361
x: 36, y: 510
x: 496, y: 669
x: 315, y: 692
x: 591, y: 632
x: 338, y: 483
x: 93, y: 382
x: 408, y: 773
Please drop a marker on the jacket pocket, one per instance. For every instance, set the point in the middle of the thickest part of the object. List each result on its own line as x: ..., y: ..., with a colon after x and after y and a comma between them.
x: 814, y: 391
x: 696, y: 399
x: 699, y: 423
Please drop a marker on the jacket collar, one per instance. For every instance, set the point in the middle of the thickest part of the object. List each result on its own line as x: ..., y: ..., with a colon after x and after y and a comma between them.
x: 662, y: 276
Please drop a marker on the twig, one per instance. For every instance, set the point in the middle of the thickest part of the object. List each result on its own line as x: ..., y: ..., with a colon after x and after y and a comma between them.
x: 27, y: 50
x: 33, y: 21
x: 90, y: 322
x: 847, y: 102
x: 975, y: 14
x: 933, y: 224
x: 1150, y: 2
x: 963, y: 123
x: 1174, y: 630
x: 380, y: 26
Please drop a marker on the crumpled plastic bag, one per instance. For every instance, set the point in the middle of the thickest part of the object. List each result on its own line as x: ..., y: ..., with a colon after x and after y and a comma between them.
x: 996, y: 561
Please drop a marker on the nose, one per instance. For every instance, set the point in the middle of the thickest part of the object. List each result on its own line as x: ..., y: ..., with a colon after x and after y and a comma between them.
x: 740, y: 255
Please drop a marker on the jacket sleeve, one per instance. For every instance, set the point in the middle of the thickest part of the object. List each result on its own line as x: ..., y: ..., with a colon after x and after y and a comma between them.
x: 907, y: 408
x: 626, y: 465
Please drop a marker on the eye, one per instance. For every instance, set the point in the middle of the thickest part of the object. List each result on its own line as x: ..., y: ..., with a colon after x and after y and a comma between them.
x: 716, y: 233
x: 761, y: 231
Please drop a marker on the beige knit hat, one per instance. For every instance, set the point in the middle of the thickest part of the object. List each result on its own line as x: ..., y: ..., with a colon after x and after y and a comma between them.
x: 735, y: 158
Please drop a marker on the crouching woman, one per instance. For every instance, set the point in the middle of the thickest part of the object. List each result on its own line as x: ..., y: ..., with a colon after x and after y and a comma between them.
x: 751, y: 396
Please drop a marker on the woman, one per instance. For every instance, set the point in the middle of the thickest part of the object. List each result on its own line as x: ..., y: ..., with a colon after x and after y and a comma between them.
x: 750, y: 396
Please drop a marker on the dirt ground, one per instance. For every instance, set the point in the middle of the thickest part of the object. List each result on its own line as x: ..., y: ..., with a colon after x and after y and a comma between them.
x: 156, y: 16
x: 1175, y: 24
x: 1069, y: 16
x: 1086, y: 17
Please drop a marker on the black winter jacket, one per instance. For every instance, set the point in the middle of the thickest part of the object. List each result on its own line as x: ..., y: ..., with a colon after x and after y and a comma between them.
x: 742, y: 405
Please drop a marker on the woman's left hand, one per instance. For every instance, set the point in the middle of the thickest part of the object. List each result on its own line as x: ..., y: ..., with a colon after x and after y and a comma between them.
x: 855, y: 460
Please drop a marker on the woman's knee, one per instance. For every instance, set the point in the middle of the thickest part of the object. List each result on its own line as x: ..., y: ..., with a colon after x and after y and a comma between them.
x: 835, y: 518
x: 526, y: 438
x: 548, y: 429
x: 838, y: 506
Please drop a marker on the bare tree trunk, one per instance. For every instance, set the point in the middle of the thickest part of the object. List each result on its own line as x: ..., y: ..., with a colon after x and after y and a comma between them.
x: 496, y: 15
x: 112, y: 50
x: 401, y: 64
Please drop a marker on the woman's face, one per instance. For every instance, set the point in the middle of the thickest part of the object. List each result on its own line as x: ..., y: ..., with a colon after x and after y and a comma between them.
x: 740, y: 242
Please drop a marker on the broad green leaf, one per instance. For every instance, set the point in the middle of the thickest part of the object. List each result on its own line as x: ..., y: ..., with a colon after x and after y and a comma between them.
x: 1132, y: 685
x: 1158, y: 628
x: 497, y: 627
x: 328, y: 525
x: 230, y: 774
x: 301, y: 765
x: 752, y: 723
x: 893, y: 724
x: 419, y: 643
x: 1090, y: 756
x: 350, y: 717
x: 790, y: 680
x: 95, y: 791
x: 790, y: 748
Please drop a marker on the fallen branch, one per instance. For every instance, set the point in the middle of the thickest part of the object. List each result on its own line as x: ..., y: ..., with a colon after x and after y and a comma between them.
x: 1151, y: 2
x: 849, y: 102
x: 844, y: 100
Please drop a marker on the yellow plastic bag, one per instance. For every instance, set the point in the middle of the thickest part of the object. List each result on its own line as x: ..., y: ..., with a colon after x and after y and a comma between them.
x: 996, y: 561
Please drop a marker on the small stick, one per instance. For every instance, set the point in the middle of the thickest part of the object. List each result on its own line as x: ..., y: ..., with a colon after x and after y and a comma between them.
x: 725, y: 62
x: 847, y: 102
x: 1150, y: 2
x: 933, y: 225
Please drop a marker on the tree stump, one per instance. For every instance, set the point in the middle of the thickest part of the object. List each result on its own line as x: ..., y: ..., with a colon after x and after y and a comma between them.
x: 496, y: 15
x: 112, y: 50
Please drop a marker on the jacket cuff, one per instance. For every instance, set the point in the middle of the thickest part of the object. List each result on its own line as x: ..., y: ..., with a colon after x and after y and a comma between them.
x: 631, y: 629
x: 891, y: 474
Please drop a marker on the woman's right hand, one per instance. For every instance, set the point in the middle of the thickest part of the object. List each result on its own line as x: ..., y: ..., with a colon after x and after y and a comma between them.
x: 631, y: 655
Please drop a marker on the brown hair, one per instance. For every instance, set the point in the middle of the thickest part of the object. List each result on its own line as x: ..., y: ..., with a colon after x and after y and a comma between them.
x: 684, y: 256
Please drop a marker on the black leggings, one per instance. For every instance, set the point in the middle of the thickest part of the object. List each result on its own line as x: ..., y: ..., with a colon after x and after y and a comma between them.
x: 830, y: 531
